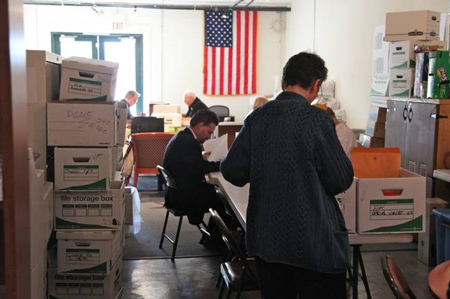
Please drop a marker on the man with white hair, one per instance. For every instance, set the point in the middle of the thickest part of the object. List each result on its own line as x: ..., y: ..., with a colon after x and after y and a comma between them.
x: 193, y: 103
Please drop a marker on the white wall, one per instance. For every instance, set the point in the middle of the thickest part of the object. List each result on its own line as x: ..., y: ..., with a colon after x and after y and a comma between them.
x: 173, y: 47
x: 342, y: 34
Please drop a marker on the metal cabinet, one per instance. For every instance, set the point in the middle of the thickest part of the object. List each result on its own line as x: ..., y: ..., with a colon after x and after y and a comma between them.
x: 414, y: 128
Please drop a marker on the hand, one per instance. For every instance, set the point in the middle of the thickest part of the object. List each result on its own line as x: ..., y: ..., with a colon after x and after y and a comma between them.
x: 206, y: 155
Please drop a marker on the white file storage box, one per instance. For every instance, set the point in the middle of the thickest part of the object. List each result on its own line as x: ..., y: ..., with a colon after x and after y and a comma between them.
x: 83, y: 168
x: 85, y: 124
x: 94, y: 210
x: 391, y: 205
x: 347, y: 203
x: 412, y: 25
x: 93, y: 252
x: 88, y: 79
x: 86, y: 286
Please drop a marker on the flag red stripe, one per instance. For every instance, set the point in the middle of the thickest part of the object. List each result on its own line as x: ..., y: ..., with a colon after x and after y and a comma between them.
x: 222, y: 69
x: 205, y: 70
x: 238, y: 53
x: 213, y: 72
x: 255, y: 29
x: 230, y: 70
x: 246, y: 70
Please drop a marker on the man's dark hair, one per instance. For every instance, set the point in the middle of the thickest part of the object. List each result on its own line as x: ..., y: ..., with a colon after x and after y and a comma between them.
x: 205, y: 116
x: 303, y: 69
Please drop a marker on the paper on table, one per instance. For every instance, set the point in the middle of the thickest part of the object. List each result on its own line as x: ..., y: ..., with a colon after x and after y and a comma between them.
x: 218, y: 147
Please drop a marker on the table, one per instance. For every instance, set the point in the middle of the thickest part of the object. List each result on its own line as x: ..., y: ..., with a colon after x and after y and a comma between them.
x: 438, y: 280
x: 238, y: 200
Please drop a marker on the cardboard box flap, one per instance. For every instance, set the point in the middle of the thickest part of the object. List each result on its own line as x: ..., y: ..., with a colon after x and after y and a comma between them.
x: 376, y: 162
x: 86, y: 65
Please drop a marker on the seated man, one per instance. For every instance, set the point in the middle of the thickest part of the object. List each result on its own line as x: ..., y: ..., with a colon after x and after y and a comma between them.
x: 194, y: 103
x: 184, y: 160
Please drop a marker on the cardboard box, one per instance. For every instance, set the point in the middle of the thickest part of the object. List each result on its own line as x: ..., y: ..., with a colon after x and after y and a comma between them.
x: 161, y: 109
x: 83, y: 168
x: 401, y: 82
x: 380, y: 83
x: 377, y: 114
x: 92, y: 252
x: 380, y: 54
x: 441, y: 88
x: 412, y: 25
x: 376, y: 129
x: 347, y: 203
x: 426, y: 249
x: 376, y: 162
x: 85, y: 124
x: 47, y: 215
x: 88, y: 79
x: 86, y: 286
x: 391, y: 205
x: 369, y: 141
x: 95, y: 210
x: 38, y: 278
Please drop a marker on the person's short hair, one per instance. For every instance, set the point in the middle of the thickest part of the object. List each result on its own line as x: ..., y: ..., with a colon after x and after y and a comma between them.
x: 205, y: 116
x: 303, y: 69
x: 132, y: 93
x: 259, y: 101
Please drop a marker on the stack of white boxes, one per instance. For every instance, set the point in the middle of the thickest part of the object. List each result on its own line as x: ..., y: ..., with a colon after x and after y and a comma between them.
x: 43, y: 75
x: 87, y: 130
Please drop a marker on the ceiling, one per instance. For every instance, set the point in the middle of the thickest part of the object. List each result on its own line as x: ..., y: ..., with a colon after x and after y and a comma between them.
x: 264, y: 5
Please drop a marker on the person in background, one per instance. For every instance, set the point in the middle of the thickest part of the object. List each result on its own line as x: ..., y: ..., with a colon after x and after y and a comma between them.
x: 344, y: 133
x: 131, y: 98
x: 259, y: 101
x: 289, y: 152
x: 184, y: 160
x: 194, y: 103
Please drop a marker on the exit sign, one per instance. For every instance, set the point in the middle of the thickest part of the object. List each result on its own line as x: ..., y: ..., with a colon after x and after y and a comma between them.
x: 118, y: 26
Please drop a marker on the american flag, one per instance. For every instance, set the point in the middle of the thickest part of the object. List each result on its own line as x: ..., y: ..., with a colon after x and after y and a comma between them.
x: 230, y: 52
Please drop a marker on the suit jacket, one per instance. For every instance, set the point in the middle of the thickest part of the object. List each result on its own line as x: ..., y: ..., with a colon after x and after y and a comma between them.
x: 184, y: 161
x: 123, y: 104
x: 195, y: 106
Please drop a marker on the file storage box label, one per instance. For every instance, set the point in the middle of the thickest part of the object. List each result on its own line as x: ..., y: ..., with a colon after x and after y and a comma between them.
x: 90, y: 210
x: 347, y: 204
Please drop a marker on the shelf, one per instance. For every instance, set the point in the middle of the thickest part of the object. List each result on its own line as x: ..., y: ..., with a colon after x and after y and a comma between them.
x: 382, y: 101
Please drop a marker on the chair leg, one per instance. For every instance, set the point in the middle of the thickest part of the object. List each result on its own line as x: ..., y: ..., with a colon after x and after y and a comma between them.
x: 364, y: 276
x: 222, y: 288
x: 164, y: 230
x: 175, y: 244
x: 135, y: 178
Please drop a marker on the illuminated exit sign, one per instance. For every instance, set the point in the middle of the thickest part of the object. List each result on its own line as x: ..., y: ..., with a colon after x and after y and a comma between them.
x: 118, y: 26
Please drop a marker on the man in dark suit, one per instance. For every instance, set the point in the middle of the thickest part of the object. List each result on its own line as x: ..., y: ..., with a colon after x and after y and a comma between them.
x: 194, y: 103
x: 184, y: 160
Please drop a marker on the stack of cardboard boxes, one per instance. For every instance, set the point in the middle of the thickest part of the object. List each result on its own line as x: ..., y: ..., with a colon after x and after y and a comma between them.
x: 375, y: 129
x: 87, y: 130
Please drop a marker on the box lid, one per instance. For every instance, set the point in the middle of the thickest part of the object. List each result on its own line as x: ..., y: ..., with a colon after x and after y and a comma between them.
x: 92, y: 65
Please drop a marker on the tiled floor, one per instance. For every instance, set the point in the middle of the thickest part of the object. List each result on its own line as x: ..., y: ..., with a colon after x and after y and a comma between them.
x: 196, y: 277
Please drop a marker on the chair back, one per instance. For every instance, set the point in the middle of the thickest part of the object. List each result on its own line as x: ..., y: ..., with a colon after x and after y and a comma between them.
x: 395, y: 279
x: 170, y: 182
x: 221, y: 111
x: 227, y: 236
x: 148, y: 148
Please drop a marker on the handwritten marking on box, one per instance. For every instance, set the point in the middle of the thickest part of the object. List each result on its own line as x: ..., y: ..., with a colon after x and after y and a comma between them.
x: 81, y: 173
x: 83, y: 256
x: 391, y: 209
x: 85, y: 87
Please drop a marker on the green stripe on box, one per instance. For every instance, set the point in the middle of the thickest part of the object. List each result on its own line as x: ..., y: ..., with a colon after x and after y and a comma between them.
x: 374, y: 92
x: 99, y: 185
x: 410, y: 226
x: 391, y: 201
x: 85, y: 81
x: 402, y: 94
x: 80, y: 206
x: 97, y: 99
x: 81, y: 166
x: 404, y: 65
x: 97, y: 285
x: 82, y: 250
x: 93, y: 206
x: 64, y: 224
x: 107, y: 206
x: 99, y: 269
x: 68, y: 206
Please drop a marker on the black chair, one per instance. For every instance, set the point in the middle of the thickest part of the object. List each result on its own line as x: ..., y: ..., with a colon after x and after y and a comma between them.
x: 395, y: 279
x: 221, y: 111
x: 170, y: 183
x: 238, y: 274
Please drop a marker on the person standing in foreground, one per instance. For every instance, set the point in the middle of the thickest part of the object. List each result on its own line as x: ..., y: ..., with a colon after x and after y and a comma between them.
x: 289, y: 152
x: 194, y: 103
